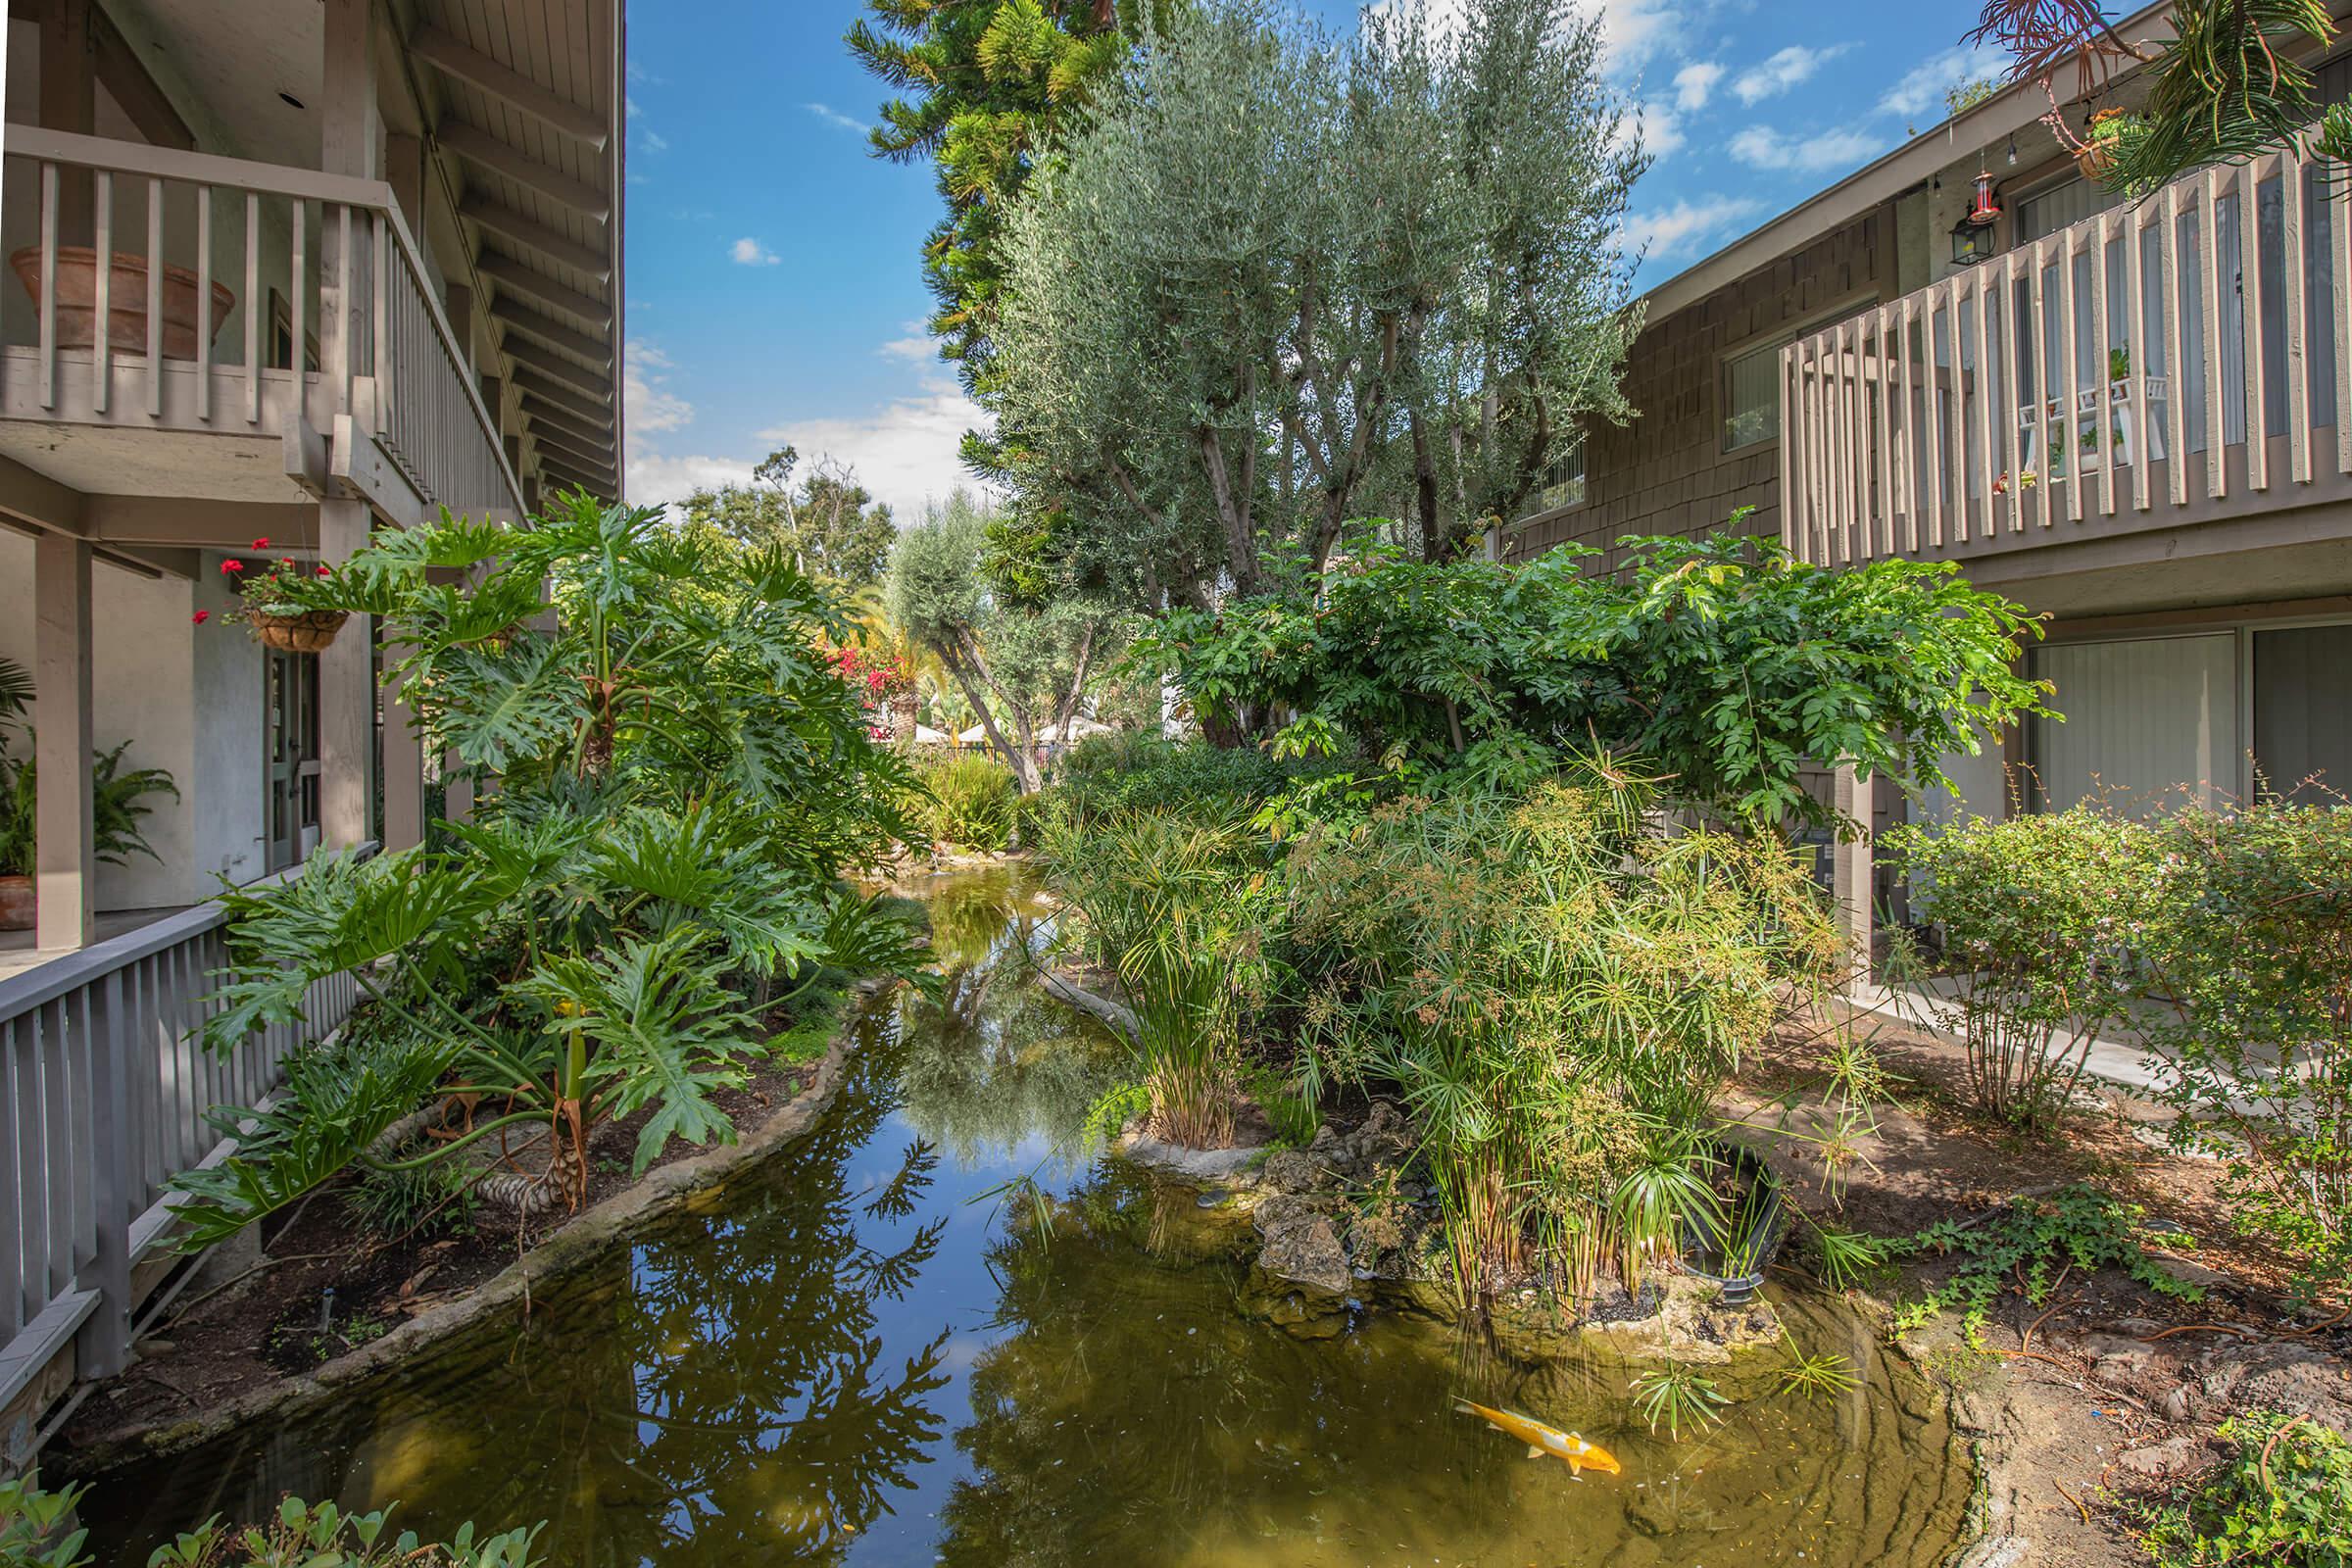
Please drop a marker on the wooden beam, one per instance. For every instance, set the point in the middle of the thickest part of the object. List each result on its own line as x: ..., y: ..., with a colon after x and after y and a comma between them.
x: 553, y: 450
x: 508, y: 273
x: 40, y: 501
x: 533, y: 235
x: 479, y: 148
x: 597, y: 353
x: 561, y: 402
x: 192, y: 524
x: 578, y: 433
x: 65, y: 852
x: 452, y: 58
x: 123, y: 73
x: 561, y: 369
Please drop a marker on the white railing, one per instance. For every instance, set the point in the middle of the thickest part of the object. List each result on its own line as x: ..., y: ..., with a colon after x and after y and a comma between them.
x: 2097, y: 381
x: 239, y: 293
x: 105, y: 1095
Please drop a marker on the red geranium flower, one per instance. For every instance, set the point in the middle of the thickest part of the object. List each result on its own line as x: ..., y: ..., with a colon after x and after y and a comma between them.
x: 322, y: 569
x: 285, y: 561
x: 203, y: 616
x: 231, y: 568
x: 261, y: 544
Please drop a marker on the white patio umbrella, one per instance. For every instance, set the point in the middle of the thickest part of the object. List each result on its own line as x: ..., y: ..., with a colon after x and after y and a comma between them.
x: 925, y: 735
x: 974, y: 736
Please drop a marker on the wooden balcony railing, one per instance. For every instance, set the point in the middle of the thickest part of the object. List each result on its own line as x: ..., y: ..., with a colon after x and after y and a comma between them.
x: 2098, y: 382
x: 105, y: 1095
x: 239, y: 294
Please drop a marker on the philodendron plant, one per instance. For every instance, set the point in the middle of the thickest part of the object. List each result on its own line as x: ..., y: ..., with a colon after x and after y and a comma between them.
x: 682, y: 785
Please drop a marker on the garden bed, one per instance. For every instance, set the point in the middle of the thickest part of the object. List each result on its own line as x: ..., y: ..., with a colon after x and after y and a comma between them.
x: 2111, y: 1399
x: 252, y: 1341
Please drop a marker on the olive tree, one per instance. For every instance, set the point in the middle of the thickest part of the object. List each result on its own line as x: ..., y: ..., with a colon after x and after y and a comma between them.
x: 1277, y: 265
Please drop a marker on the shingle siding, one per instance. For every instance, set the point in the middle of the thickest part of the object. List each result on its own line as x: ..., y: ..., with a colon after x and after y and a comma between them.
x: 1665, y: 471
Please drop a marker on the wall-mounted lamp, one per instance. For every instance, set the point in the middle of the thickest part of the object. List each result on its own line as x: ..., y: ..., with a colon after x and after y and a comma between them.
x: 2013, y: 150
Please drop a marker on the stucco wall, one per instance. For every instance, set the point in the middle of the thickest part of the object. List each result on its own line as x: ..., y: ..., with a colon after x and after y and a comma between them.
x: 187, y: 698
x: 1666, y: 470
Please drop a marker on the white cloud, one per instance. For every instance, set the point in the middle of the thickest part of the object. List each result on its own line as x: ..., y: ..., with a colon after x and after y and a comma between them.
x: 1787, y: 69
x: 749, y: 251
x: 1662, y: 129
x: 1631, y: 31
x: 1826, y: 152
x: 905, y: 451
x: 917, y: 347
x: 1693, y: 82
x: 1685, y: 227
x: 835, y: 118
x: 646, y: 398
x: 1922, y: 87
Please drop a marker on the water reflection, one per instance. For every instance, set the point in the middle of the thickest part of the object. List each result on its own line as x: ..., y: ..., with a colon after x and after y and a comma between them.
x: 850, y: 1356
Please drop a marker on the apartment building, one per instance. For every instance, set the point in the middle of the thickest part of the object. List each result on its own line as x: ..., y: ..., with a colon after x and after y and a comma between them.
x: 2124, y: 416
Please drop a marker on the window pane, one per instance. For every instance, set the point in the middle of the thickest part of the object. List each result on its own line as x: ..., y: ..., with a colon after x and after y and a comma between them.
x: 2302, y: 719
x: 1751, y: 398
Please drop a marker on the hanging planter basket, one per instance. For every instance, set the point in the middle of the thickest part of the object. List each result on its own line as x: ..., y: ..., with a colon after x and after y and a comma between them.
x: 2097, y: 156
x: 306, y: 633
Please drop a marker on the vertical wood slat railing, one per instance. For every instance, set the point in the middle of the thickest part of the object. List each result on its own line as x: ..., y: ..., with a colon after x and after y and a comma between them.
x: 1992, y: 409
x: 332, y: 286
x: 105, y: 1095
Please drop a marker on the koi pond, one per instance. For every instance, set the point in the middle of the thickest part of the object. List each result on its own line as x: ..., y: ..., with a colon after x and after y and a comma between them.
x: 862, y: 1352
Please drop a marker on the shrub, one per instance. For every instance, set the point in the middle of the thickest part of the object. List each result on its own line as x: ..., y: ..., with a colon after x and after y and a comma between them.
x: 2037, y: 913
x: 399, y: 1198
x: 2283, y: 1498
x: 2245, y: 940
x: 1141, y: 771
x: 34, y: 1535
x: 1558, y: 987
x: 974, y: 803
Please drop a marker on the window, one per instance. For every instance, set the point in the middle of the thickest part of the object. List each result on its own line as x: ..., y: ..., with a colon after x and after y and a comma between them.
x: 1563, y: 482
x: 1752, y: 395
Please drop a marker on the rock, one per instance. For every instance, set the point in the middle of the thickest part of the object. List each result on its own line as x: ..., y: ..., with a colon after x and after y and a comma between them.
x: 2174, y: 1457
x: 1307, y: 1252
x: 1289, y: 1170
x: 2188, y: 1272
x: 2174, y: 1403
x: 2116, y: 1360
x: 2298, y: 1379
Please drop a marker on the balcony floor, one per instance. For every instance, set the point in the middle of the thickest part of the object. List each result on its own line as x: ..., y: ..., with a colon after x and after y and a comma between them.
x: 18, y: 955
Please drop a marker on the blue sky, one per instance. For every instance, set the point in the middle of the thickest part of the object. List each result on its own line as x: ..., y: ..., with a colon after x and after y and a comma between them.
x: 773, y: 271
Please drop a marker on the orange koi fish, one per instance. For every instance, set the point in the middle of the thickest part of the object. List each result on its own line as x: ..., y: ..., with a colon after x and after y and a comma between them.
x: 1542, y: 1440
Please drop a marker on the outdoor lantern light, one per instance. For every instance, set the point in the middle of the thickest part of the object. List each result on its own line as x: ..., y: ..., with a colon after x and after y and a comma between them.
x: 1971, y: 244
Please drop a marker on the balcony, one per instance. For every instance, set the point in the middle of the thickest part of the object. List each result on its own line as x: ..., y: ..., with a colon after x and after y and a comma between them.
x: 273, y: 334
x: 2094, y: 388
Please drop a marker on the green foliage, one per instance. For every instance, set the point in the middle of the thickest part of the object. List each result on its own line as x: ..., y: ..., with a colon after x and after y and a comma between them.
x: 1111, y: 1114
x: 1172, y: 903
x: 1140, y: 770
x: 684, y: 783
x: 118, y: 800
x: 2035, y: 912
x: 1678, y: 1395
x: 2221, y: 937
x: 2030, y: 1244
x: 2283, y: 1498
x: 323, y: 1536
x: 1289, y: 1108
x: 1724, y: 661
x: 974, y: 803
x: 404, y: 1199
x: 1821, y: 1376
x: 828, y: 526
x: 818, y: 1017
x: 1021, y: 667
x: 33, y: 1533
x: 1276, y: 274
x: 1560, y: 988
x: 988, y: 87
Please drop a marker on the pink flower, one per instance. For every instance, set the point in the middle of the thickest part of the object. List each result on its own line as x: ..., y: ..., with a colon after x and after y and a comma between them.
x: 229, y: 568
x: 203, y: 616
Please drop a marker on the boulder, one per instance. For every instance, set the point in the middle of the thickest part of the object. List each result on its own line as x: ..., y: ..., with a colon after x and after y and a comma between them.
x: 2174, y: 1457
x: 2298, y: 1379
x: 1307, y: 1251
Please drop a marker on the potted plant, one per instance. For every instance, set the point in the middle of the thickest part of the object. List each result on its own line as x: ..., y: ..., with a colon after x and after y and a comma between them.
x: 117, y: 800
x: 281, y: 602
x: 2100, y: 141
x: 125, y: 301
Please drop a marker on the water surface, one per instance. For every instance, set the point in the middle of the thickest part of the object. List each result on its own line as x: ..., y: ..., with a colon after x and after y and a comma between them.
x: 855, y: 1353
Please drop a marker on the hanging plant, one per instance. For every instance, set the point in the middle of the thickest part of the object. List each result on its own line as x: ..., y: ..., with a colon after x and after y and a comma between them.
x: 274, y: 593
x: 2095, y: 157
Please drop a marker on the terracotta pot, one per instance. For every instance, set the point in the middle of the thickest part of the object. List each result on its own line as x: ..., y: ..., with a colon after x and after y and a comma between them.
x: 126, y: 301
x: 306, y: 633
x: 16, y: 904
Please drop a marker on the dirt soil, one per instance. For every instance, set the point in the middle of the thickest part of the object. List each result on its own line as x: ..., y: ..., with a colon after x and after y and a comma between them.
x: 231, y: 1333
x: 2111, y: 1395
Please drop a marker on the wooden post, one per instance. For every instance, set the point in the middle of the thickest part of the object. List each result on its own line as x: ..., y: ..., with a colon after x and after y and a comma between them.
x: 64, y: 856
x: 346, y: 696
x: 68, y: 101
x: 457, y: 789
x: 1853, y: 881
x: 403, y: 771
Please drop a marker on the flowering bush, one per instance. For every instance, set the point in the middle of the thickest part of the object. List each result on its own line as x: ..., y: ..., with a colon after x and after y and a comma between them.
x: 880, y: 676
